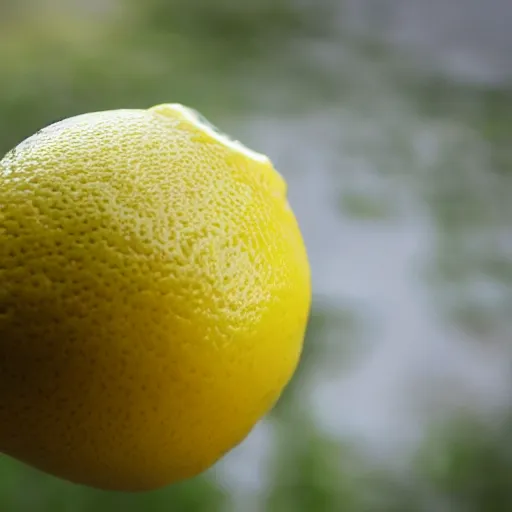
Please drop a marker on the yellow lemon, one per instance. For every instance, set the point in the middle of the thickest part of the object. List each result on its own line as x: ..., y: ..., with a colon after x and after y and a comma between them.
x: 154, y: 293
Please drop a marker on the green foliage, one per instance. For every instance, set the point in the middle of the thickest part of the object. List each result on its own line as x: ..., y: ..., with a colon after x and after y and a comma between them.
x: 55, y: 66
x: 469, y: 466
x: 242, y: 26
x: 312, y: 473
x: 365, y: 207
x: 24, y: 489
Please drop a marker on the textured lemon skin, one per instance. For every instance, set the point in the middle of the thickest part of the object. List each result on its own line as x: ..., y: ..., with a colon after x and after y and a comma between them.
x: 154, y: 292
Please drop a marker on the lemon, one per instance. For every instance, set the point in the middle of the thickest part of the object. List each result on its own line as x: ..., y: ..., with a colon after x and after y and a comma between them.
x: 154, y: 293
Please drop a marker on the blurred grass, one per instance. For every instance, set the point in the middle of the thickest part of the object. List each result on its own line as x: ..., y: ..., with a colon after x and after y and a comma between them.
x: 22, y: 488
x: 56, y: 64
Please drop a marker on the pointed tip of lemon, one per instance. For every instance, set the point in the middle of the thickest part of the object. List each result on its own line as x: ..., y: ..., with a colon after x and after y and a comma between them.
x: 179, y: 111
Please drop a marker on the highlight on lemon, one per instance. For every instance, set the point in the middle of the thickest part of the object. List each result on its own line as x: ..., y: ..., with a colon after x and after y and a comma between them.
x: 154, y: 293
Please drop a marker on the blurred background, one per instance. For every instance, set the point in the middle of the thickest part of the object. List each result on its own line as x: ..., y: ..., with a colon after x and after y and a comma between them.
x: 392, y: 123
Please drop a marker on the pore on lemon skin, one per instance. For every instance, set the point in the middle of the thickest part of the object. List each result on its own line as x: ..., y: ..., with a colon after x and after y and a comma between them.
x: 154, y: 293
